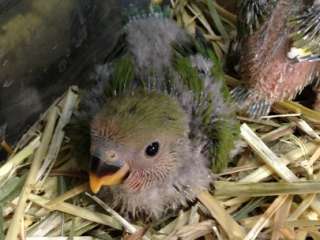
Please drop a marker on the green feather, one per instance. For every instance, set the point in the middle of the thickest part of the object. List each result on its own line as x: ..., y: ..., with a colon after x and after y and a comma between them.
x: 225, y: 131
x: 189, y: 75
x: 122, y: 76
x: 228, y: 128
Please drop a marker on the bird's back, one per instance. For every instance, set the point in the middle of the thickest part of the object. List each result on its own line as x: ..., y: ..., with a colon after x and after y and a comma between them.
x: 150, y: 41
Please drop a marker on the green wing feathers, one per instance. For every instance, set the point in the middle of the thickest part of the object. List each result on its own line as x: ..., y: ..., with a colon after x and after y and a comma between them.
x: 204, y: 76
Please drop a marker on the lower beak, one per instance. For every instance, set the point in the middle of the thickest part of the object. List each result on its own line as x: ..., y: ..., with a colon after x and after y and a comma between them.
x: 107, y: 180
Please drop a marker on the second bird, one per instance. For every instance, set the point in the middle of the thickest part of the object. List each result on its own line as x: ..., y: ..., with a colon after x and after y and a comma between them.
x: 279, y: 48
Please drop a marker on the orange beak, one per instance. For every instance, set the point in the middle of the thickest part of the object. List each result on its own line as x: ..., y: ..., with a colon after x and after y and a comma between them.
x: 111, y: 179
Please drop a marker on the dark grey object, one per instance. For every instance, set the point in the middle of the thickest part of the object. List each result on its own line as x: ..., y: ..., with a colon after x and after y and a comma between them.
x: 46, y: 46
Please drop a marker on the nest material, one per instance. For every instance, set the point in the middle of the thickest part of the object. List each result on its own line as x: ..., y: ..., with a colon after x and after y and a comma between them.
x: 270, y: 191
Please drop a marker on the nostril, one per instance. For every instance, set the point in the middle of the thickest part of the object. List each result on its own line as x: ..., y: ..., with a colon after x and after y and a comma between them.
x: 112, y: 155
x: 94, y: 163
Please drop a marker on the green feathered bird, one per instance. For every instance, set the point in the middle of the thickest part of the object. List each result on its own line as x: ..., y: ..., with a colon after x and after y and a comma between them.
x: 157, y: 122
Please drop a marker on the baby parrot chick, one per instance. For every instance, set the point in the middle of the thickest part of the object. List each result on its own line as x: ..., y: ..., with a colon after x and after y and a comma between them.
x: 279, y: 51
x: 157, y: 122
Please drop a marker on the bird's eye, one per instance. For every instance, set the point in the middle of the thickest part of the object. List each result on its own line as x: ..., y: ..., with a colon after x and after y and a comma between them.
x: 152, y: 149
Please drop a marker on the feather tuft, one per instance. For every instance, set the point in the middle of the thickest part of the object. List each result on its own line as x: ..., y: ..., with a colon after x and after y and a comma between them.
x: 252, y: 14
x: 306, y: 35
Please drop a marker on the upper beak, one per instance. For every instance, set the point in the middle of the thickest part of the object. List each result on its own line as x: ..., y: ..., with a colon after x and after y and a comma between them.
x: 106, y: 174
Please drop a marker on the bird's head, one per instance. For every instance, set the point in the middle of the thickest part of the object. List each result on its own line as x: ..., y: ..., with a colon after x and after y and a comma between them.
x: 144, y: 154
x: 135, y: 140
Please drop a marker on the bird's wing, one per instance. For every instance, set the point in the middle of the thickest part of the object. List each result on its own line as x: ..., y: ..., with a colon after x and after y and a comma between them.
x: 252, y: 15
x: 214, y: 116
x: 305, y: 35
